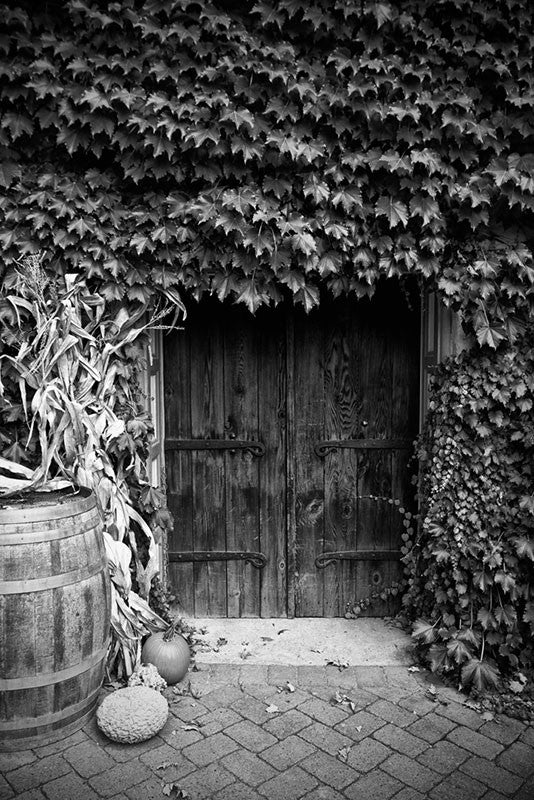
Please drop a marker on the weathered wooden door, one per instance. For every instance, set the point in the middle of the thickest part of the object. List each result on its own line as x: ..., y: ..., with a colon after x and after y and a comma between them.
x: 281, y: 430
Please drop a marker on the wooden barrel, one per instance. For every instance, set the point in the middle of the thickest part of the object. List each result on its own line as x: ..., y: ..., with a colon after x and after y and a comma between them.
x: 54, y: 615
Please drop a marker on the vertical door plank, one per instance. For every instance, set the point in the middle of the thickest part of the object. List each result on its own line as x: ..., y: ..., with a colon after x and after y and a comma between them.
x: 273, y: 417
x: 404, y: 421
x: 207, y: 422
x: 375, y: 518
x: 242, y: 468
x: 308, y: 387
x: 342, y: 403
x: 177, y: 391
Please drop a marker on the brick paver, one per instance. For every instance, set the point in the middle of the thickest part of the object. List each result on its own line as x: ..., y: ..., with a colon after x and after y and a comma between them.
x: 374, y: 786
x: 323, y: 712
x: 329, y: 770
x: 431, y: 727
x: 325, y: 738
x: 209, y: 750
x: 400, y: 740
x: 286, y: 724
x: 475, y: 742
x: 518, y: 759
x: 290, y: 751
x: 68, y: 787
x: 444, y: 757
x: 458, y: 786
x: 367, y: 754
x: 493, y: 776
x: 389, y: 712
x: 118, y: 779
x: 397, y: 744
x: 251, y: 736
x: 411, y: 773
x: 38, y: 773
x: 206, y: 782
x: 248, y: 767
x: 88, y: 759
x: 293, y: 784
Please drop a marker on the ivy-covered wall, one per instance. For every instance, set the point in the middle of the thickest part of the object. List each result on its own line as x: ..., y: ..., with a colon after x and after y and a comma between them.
x: 471, y: 564
x: 275, y: 149
x: 258, y: 150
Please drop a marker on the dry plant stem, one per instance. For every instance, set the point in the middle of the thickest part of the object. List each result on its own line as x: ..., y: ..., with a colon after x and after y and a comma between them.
x: 66, y: 355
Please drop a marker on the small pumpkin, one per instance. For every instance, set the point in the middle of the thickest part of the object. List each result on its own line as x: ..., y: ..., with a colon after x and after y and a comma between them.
x: 169, y: 652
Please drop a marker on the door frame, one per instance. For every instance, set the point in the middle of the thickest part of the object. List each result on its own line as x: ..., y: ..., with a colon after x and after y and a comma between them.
x: 441, y: 335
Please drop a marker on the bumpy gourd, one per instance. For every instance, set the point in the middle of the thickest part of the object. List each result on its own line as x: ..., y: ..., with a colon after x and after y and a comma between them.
x: 132, y: 715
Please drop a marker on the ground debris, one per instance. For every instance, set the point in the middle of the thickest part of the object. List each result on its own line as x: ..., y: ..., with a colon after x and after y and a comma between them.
x: 344, y: 700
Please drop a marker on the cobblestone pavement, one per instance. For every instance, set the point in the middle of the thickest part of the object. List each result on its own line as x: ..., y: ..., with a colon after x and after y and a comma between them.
x: 384, y: 735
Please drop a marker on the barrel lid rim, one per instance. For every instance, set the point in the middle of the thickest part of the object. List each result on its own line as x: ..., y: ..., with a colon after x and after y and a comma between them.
x: 77, y: 501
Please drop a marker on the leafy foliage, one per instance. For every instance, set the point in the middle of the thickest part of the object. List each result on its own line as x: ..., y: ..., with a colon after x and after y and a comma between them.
x: 72, y: 408
x: 471, y: 566
x: 257, y: 151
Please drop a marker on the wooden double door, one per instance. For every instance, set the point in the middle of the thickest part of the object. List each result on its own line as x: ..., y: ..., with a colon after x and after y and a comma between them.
x: 281, y: 430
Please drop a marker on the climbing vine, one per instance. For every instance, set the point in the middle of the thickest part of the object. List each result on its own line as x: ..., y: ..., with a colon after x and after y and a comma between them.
x: 471, y: 567
x: 260, y: 151
x: 264, y: 150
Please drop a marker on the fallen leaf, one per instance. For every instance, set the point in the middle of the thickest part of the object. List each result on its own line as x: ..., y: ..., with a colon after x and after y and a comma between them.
x: 343, y: 754
x: 516, y: 686
x: 414, y: 669
x: 343, y: 699
x: 245, y: 653
x: 195, y: 693
x: 114, y: 684
x: 191, y: 728
x: 289, y: 687
x: 471, y: 704
x: 359, y: 728
x: 221, y: 641
x: 166, y: 764
x: 337, y: 662
x: 317, y: 650
x: 267, y: 639
x: 272, y: 709
x: 488, y: 716
x: 173, y: 789
x: 284, y: 630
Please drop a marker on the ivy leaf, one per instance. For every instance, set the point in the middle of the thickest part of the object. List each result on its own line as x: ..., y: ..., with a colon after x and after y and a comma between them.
x: 490, y: 333
x: 483, y: 579
x: 382, y: 13
x: 424, y: 207
x: 505, y: 580
x: 506, y: 615
x: 9, y: 172
x: 304, y: 242
x: 480, y: 674
x: 17, y: 124
x: 395, y: 211
x: 141, y: 242
x: 528, y: 615
x: 486, y: 618
x: 424, y: 631
x: 348, y: 198
x: 438, y: 657
x: 308, y: 296
x: 238, y: 118
x: 95, y: 99
x: 250, y: 296
x: 317, y: 189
